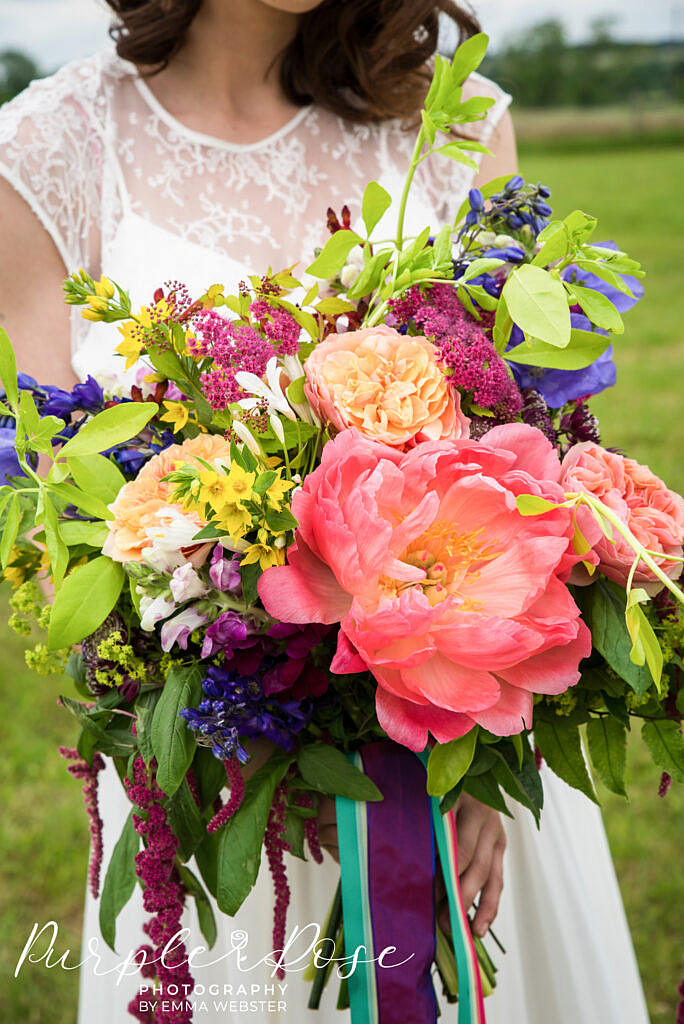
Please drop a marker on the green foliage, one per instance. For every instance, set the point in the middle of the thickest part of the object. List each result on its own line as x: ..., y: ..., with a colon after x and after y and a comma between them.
x: 448, y: 763
x: 607, y: 741
x: 603, y: 609
x: 376, y: 202
x: 334, y: 254
x: 665, y: 741
x: 119, y: 881
x: 538, y: 305
x: 84, y: 601
x: 327, y: 770
x: 110, y: 427
x: 559, y: 742
x: 172, y: 741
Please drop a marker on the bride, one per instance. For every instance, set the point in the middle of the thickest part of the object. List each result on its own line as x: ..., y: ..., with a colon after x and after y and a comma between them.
x: 210, y: 145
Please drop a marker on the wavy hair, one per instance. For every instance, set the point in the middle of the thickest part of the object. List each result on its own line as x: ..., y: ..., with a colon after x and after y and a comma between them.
x: 366, y: 60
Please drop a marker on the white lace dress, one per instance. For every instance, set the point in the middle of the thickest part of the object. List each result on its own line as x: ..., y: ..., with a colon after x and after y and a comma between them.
x: 123, y: 188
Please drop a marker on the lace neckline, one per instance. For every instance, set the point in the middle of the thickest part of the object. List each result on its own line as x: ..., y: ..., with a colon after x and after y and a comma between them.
x: 212, y: 140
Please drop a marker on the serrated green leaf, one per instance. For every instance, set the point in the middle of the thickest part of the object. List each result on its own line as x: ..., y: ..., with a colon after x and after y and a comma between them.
x: 84, y: 601
x: 559, y: 742
x: 665, y: 741
x: 607, y: 741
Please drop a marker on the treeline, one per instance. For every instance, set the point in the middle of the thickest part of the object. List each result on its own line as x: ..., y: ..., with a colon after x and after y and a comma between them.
x: 16, y: 71
x: 543, y: 69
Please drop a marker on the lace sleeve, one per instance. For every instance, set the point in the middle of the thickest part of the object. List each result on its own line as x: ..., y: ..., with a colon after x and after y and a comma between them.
x: 51, y: 154
x: 448, y: 181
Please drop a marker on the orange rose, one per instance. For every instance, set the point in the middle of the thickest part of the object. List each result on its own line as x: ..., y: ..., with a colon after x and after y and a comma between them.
x: 142, y: 508
x: 387, y: 385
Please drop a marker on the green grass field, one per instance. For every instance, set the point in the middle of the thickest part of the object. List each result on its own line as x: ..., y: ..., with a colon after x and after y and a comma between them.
x: 43, y: 840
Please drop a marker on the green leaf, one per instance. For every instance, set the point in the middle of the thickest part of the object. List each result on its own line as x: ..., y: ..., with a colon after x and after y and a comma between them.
x: 603, y: 610
x: 333, y: 306
x: 144, y: 709
x: 645, y: 646
x: 555, y: 247
x: 172, y: 741
x: 560, y: 744
x: 110, y: 427
x: 486, y: 789
x: 468, y: 57
x: 10, y: 530
x: 455, y: 152
x: 598, y: 308
x: 88, y: 503
x: 119, y: 881
x: 334, y: 254
x: 295, y: 391
x: 584, y: 349
x: 537, y: 303
x: 242, y: 837
x: 580, y: 225
x: 28, y: 414
x: 448, y: 763
x: 185, y: 820
x: 665, y: 741
x: 57, y: 551
x: 84, y: 601
x: 8, y: 369
x: 206, y: 858
x: 523, y: 784
x: 371, y: 275
x: 376, y: 202
x: 533, y: 505
x: 97, y: 475
x: 74, y: 531
x: 205, y: 911
x: 210, y: 773
x: 483, y: 265
x: 607, y: 740
x: 293, y: 834
x: 327, y: 770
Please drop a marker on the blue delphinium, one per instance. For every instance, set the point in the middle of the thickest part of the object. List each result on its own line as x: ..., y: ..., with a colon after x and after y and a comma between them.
x: 235, y: 706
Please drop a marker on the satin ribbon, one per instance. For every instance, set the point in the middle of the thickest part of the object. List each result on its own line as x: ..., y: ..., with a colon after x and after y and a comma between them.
x: 387, y: 863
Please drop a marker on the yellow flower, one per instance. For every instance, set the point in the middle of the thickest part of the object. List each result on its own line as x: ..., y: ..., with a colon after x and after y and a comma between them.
x: 278, y: 491
x: 104, y: 287
x: 91, y: 314
x: 150, y: 315
x: 214, y: 489
x: 240, y: 483
x: 97, y: 302
x: 235, y: 520
x: 132, y: 343
x: 177, y: 414
x: 265, y: 555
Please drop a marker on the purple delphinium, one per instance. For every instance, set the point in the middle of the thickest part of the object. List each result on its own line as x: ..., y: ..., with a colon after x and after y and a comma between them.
x: 235, y: 706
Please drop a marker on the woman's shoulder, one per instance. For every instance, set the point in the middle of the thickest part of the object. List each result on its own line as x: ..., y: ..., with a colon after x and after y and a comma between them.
x: 76, y: 94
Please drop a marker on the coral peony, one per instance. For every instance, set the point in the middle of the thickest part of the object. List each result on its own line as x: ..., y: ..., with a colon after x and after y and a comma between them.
x: 453, y: 600
x: 144, y: 518
x: 387, y: 385
x: 653, y: 513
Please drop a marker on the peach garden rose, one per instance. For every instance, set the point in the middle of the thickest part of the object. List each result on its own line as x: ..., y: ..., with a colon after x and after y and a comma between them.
x: 388, y: 385
x: 145, y: 522
x: 453, y: 600
x: 653, y: 512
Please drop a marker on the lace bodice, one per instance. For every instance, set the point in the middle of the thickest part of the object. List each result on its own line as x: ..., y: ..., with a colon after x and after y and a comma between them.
x: 91, y: 147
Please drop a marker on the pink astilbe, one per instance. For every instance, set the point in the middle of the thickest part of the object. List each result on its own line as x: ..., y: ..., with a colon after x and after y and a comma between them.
x: 279, y: 326
x: 224, y: 813
x: 275, y: 849
x: 163, y: 898
x: 465, y: 350
x: 232, y: 347
x: 88, y: 773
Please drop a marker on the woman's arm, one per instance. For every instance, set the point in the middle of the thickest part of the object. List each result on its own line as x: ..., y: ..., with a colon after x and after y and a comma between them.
x: 32, y: 309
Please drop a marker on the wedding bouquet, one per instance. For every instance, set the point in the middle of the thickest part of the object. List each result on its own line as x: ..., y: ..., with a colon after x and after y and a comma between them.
x: 362, y: 518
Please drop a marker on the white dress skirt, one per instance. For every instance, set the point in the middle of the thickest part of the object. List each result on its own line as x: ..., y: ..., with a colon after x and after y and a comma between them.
x: 125, y: 189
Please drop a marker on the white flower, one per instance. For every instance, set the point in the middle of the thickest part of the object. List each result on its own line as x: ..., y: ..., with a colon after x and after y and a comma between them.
x: 154, y: 609
x: 246, y: 435
x: 168, y: 535
x: 353, y: 267
x: 269, y: 390
x: 186, y: 584
x: 277, y: 427
x: 178, y: 629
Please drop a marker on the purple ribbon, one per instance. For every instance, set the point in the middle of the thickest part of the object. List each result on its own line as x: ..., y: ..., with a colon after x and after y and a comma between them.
x: 401, y: 870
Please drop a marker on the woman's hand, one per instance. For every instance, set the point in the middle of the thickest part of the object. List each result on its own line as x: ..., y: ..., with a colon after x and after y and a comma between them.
x: 327, y: 827
x: 481, y: 845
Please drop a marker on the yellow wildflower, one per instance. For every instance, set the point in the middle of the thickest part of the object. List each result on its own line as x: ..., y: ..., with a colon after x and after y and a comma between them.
x: 177, y: 414
x: 104, y: 287
x: 214, y: 489
x: 278, y: 491
x: 150, y: 315
x: 132, y: 343
x: 91, y: 314
x: 264, y: 554
x: 240, y: 483
x: 235, y: 520
x: 97, y: 302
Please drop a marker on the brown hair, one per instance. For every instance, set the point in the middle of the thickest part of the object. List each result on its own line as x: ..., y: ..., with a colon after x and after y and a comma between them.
x: 366, y: 60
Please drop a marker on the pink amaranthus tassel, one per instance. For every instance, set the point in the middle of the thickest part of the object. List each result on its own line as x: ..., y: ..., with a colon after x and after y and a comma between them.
x: 222, y: 814
x: 275, y: 848
x: 311, y: 829
x: 88, y: 773
x: 164, y: 898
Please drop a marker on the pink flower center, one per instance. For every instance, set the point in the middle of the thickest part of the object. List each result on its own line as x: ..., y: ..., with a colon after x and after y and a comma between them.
x: 451, y: 559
